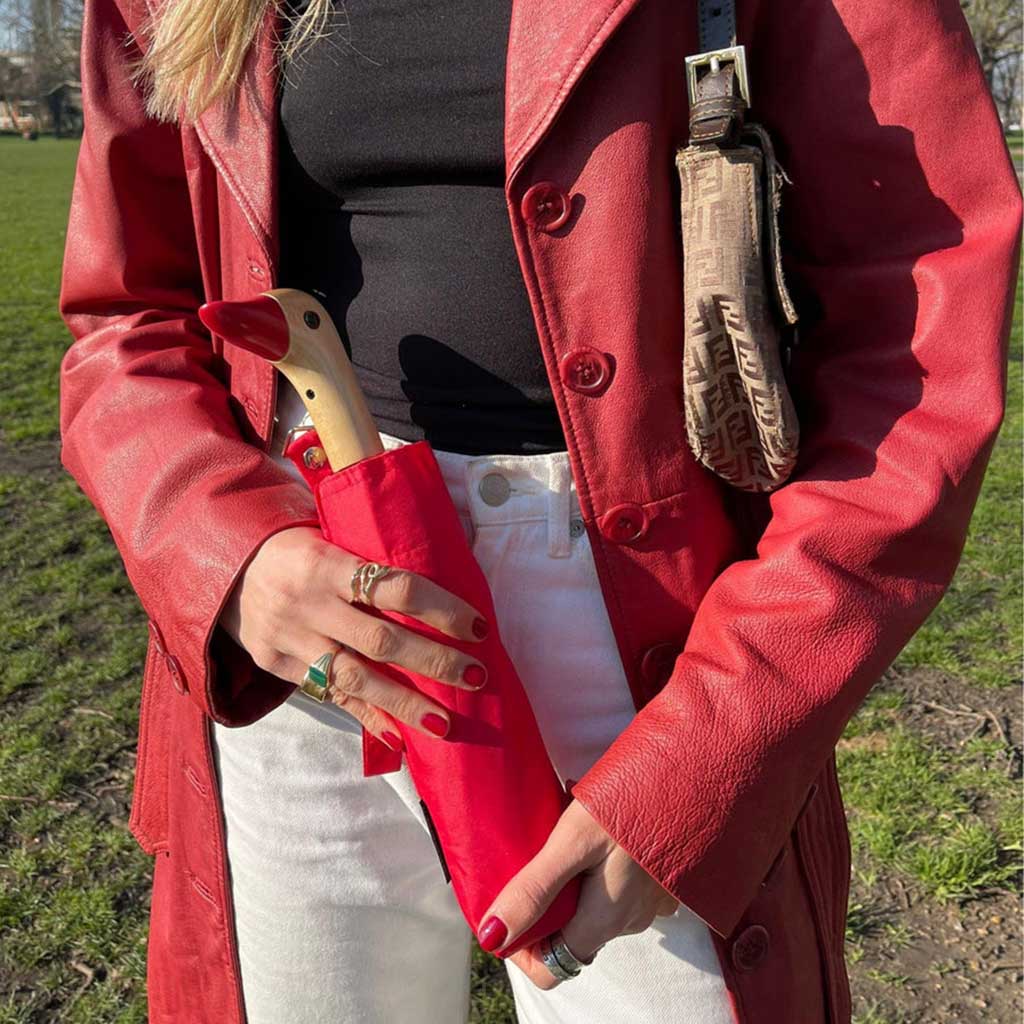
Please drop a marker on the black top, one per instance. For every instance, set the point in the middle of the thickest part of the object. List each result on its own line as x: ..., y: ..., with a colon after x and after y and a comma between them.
x: 393, y: 213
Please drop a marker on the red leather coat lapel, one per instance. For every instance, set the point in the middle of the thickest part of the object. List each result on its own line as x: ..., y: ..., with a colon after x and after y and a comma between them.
x: 550, y: 46
x: 241, y: 137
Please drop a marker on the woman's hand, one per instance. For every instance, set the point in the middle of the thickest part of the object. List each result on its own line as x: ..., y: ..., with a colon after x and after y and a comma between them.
x: 617, y: 897
x: 292, y: 603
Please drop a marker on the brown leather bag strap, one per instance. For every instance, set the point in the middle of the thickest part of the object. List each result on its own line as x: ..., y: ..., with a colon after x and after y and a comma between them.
x: 717, y: 77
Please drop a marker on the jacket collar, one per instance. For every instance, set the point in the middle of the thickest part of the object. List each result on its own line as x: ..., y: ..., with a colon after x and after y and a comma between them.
x: 550, y: 46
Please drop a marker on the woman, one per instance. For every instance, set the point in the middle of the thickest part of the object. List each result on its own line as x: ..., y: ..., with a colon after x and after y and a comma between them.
x: 690, y: 689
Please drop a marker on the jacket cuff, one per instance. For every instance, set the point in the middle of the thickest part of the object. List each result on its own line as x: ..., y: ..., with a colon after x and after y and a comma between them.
x: 691, y: 810
x: 219, y: 675
x: 237, y: 691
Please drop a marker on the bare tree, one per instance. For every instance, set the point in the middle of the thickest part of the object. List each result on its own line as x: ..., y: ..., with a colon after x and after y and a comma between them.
x: 39, y: 52
x: 997, y: 29
x: 47, y: 33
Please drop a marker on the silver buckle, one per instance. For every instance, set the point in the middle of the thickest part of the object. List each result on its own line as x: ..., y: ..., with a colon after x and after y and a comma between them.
x: 301, y: 428
x: 736, y: 54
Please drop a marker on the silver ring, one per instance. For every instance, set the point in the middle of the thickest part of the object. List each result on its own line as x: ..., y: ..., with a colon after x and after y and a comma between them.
x: 559, y: 959
x: 364, y: 577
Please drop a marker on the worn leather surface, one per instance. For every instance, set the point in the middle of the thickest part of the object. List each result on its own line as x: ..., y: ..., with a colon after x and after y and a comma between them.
x: 718, y: 109
x: 902, y: 242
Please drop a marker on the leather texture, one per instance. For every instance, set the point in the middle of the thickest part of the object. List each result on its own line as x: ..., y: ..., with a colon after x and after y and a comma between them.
x: 489, y: 787
x: 718, y: 110
x: 902, y: 236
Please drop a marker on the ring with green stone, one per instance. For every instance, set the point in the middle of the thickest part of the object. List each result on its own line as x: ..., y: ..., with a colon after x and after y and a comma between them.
x: 315, y: 681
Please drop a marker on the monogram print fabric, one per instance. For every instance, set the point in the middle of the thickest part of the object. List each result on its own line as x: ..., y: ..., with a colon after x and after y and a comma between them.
x: 740, y: 418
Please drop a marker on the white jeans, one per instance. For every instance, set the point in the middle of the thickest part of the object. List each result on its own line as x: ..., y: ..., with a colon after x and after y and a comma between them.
x: 342, y: 912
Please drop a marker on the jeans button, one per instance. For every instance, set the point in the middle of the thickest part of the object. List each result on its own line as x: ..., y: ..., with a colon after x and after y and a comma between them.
x: 494, y: 489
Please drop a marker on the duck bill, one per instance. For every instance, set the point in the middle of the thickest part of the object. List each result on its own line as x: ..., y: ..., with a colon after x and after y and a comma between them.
x: 258, y: 325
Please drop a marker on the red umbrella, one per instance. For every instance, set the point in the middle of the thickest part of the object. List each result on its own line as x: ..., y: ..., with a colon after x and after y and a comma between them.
x: 489, y: 788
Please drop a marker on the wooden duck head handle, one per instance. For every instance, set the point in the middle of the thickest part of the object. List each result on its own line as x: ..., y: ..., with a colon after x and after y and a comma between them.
x: 292, y: 330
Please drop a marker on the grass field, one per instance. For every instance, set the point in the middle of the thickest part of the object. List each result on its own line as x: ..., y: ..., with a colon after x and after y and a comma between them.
x: 930, y: 766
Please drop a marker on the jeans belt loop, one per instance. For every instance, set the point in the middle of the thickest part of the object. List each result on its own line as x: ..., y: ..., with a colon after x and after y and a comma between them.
x: 559, y: 480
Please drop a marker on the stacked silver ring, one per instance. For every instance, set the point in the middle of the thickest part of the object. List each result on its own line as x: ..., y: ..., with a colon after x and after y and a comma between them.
x: 363, y: 579
x: 558, y: 958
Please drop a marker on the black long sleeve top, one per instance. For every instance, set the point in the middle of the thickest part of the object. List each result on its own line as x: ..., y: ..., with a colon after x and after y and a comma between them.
x: 393, y: 214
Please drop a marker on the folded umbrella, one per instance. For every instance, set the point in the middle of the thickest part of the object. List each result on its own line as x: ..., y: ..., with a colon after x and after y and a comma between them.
x: 489, y: 790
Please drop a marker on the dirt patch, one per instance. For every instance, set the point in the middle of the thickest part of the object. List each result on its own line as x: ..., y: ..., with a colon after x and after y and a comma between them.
x: 31, y: 459
x: 951, y: 712
x: 926, y: 964
x: 918, y: 961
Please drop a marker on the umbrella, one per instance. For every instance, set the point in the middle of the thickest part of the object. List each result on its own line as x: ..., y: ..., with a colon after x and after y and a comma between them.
x: 489, y: 790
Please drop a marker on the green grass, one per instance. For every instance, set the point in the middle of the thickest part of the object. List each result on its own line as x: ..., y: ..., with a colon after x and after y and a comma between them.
x: 873, y: 1015
x: 73, y: 884
x: 913, y: 807
x: 35, y: 186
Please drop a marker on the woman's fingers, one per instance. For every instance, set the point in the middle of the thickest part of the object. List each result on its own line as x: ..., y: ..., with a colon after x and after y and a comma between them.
x: 412, y: 594
x: 352, y: 679
x: 572, y: 847
x: 380, y: 639
x: 372, y: 719
x: 402, y: 590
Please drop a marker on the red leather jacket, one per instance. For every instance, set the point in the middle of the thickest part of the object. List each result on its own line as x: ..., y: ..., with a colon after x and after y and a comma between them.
x: 902, y: 240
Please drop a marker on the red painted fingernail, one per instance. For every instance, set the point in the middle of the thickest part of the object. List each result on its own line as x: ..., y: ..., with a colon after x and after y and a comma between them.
x: 475, y: 676
x: 393, y: 740
x: 480, y: 628
x: 492, y: 934
x: 437, y: 724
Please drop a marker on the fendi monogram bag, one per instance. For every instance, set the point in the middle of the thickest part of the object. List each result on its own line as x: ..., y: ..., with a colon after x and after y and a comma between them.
x: 739, y: 317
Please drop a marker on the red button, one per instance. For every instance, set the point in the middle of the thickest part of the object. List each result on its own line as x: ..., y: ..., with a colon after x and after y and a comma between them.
x: 750, y: 947
x: 658, y: 661
x: 585, y: 370
x: 545, y: 206
x: 158, y: 640
x: 624, y: 523
x: 177, y: 677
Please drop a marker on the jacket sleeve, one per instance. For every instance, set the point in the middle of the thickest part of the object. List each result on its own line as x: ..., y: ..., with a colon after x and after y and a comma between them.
x: 146, y: 425
x: 903, y: 222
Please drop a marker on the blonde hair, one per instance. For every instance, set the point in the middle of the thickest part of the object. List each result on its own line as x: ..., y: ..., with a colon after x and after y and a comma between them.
x: 195, y: 50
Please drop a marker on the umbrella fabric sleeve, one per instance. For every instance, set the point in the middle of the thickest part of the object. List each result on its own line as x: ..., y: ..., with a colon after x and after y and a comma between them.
x: 489, y: 787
